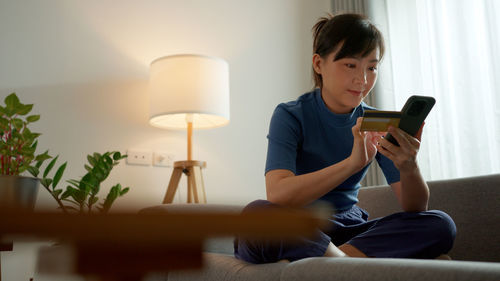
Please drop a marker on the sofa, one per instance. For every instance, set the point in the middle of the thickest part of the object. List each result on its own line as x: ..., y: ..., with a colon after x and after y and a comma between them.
x: 473, y: 202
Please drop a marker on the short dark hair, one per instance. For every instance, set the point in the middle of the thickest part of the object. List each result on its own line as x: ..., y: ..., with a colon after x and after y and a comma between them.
x: 358, y: 35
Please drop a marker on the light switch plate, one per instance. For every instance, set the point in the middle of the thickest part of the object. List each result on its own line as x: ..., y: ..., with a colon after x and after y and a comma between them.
x: 163, y: 159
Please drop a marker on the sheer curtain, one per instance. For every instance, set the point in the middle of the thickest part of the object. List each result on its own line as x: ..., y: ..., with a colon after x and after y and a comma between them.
x: 448, y: 49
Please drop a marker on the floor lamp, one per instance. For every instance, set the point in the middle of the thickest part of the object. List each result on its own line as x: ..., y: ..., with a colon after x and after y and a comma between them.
x: 188, y: 92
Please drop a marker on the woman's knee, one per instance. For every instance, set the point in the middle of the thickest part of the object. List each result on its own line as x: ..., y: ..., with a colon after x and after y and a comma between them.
x: 258, y: 205
x: 444, y: 228
x: 444, y: 223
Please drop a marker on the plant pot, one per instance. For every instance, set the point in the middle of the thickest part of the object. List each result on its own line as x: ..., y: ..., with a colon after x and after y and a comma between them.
x: 18, y: 191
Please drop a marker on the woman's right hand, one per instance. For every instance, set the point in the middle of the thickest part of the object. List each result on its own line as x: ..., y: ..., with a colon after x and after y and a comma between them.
x: 364, y: 146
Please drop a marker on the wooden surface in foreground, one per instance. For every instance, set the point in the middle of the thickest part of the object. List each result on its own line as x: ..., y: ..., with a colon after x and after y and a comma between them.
x: 125, y: 246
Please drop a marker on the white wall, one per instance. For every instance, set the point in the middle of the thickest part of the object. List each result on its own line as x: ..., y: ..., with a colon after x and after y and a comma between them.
x: 85, y: 64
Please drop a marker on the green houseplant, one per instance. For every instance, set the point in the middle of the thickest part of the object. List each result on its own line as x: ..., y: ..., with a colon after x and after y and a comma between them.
x: 17, y: 155
x: 82, y: 195
x: 18, y: 143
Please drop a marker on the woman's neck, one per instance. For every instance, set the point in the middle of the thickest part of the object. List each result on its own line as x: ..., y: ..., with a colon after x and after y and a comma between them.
x: 334, y: 106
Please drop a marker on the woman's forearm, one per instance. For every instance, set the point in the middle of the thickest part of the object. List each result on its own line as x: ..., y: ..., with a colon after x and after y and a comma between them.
x: 414, y: 191
x: 298, y: 191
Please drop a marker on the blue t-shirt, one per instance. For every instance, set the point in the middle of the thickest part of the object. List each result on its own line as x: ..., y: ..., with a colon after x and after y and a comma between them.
x: 305, y: 136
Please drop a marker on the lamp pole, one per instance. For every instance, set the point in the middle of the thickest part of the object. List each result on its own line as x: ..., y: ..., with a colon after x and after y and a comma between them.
x: 189, y: 120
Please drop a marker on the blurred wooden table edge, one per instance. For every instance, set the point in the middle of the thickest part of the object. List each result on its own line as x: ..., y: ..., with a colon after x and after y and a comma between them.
x: 6, y: 246
x: 120, y: 263
x: 131, y: 244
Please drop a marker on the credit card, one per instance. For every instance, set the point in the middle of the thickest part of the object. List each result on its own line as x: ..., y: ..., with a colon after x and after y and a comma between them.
x: 379, y: 121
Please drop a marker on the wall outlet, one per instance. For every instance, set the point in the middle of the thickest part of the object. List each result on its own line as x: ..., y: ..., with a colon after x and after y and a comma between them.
x: 163, y: 159
x: 139, y: 157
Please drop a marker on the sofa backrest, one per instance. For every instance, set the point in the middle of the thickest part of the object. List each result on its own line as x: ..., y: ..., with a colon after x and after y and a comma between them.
x: 473, y: 203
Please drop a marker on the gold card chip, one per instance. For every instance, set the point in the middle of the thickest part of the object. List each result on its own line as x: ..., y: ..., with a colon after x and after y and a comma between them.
x: 379, y: 121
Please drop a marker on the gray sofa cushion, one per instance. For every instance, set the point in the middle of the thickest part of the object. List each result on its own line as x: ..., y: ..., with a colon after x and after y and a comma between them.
x: 223, y: 267
x: 348, y: 269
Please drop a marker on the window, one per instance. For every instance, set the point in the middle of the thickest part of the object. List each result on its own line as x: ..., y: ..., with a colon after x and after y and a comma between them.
x: 450, y: 50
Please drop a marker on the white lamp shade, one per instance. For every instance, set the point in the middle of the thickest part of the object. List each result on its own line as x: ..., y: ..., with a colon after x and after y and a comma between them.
x: 189, y: 84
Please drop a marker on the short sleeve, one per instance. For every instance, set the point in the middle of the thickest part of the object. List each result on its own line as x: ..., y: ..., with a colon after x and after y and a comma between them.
x: 283, y: 140
x: 390, y: 171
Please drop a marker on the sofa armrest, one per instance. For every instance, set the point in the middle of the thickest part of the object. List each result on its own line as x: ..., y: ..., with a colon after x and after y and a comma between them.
x: 472, y: 202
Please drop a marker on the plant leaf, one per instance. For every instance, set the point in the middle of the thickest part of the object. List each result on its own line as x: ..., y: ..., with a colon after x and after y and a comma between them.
x: 28, y: 150
x: 116, y: 156
x: 34, y: 135
x: 33, y: 118
x: 33, y: 171
x: 88, y: 168
x: 79, y: 196
x: 24, y: 109
x: 57, y: 192
x: 46, y: 182
x: 35, y: 144
x: 49, y: 167
x: 99, y: 176
x: 69, y: 192
x: 10, y: 111
x: 91, y: 160
x: 74, y: 182
x: 18, y: 123
x: 108, y: 160
x: 11, y: 100
x: 4, y: 123
x: 41, y: 158
x: 86, y: 182
x: 124, y: 191
x: 100, y: 167
x: 58, y: 175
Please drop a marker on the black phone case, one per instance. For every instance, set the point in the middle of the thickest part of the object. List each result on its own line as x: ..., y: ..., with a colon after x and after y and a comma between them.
x: 413, y: 115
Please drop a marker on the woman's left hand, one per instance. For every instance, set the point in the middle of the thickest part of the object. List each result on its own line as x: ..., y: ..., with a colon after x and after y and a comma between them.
x: 403, y: 156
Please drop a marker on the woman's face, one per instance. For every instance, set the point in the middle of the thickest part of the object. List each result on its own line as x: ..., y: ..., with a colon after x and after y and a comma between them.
x: 346, y: 81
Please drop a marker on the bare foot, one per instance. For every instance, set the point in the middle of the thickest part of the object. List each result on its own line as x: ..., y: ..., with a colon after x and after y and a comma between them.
x: 333, y: 251
x: 352, y: 251
x: 444, y: 257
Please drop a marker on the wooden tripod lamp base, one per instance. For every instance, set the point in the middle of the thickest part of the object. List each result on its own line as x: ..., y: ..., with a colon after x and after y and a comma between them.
x: 195, y: 189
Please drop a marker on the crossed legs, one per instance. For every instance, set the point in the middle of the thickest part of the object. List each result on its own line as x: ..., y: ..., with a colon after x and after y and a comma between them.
x: 402, y: 235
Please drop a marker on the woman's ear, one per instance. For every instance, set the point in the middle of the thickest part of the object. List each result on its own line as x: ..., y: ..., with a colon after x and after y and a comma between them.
x: 316, y: 62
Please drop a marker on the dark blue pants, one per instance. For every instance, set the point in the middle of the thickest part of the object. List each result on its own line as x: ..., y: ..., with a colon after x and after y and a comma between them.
x: 423, y: 235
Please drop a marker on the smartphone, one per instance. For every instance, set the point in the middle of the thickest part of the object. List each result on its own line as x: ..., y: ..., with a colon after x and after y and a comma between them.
x: 413, y: 115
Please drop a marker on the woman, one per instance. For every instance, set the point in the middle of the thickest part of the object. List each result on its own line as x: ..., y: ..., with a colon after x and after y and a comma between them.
x: 316, y: 152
